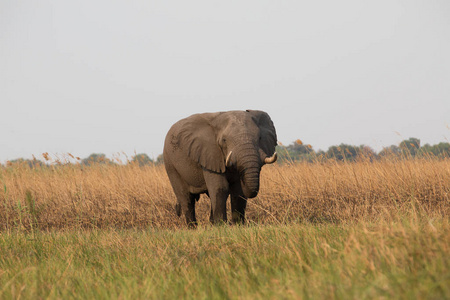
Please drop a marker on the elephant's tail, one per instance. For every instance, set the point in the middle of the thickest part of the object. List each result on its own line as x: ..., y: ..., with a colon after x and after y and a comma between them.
x: 178, y: 209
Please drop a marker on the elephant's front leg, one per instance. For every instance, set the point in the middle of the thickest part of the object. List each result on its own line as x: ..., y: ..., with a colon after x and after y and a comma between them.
x: 218, y: 190
x: 238, y: 204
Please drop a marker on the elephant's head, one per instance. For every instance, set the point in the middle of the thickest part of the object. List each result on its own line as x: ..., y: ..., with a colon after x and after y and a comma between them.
x: 235, y: 140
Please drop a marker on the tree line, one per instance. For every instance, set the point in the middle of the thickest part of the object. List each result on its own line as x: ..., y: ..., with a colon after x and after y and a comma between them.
x: 295, y: 152
x: 141, y: 159
x: 410, y: 148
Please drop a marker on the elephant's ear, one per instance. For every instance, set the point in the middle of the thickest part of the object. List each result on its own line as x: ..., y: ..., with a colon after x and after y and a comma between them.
x: 197, y: 139
x: 268, y: 134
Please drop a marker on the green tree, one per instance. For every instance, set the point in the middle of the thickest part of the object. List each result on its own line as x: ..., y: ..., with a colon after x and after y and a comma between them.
x: 296, y: 151
x: 160, y: 160
x: 350, y: 153
x: 142, y: 159
x: 367, y: 152
x: 390, y: 151
x: 343, y: 152
x: 31, y: 163
x: 410, y: 146
x: 439, y: 150
x: 96, y: 158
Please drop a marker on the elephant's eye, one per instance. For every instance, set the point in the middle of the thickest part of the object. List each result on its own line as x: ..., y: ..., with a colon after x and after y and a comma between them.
x: 224, y: 140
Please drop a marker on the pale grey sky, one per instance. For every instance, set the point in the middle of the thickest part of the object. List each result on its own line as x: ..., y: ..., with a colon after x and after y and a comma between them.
x: 111, y: 76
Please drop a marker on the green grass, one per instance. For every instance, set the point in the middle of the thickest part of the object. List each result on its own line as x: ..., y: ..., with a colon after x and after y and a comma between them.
x: 402, y: 259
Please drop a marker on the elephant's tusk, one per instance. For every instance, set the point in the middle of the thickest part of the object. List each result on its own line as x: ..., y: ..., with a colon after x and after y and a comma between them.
x: 228, y: 162
x: 272, y: 159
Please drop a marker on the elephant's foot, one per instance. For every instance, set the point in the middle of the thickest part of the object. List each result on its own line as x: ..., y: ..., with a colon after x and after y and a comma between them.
x: 237, y: 217
x: 192, y: 224
x: 178, y: 209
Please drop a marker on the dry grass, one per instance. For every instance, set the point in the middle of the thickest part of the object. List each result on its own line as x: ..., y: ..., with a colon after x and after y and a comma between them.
x: 75, y: 196
x: 333, y: 191
x: 331, y: 231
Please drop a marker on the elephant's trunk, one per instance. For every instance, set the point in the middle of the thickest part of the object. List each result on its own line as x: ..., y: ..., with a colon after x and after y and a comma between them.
x: 250, y: 182
x: 249, y: 165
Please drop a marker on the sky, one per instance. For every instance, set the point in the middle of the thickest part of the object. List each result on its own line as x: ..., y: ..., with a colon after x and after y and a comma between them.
x: 108, y: 77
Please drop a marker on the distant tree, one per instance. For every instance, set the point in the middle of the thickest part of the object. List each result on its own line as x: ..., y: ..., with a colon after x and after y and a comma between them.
x: 410, y: 146
x: 438, y: 150
x: 297, y: 151
x: 321, y: 155
x: 142, y: 159
x: 96, y: 158
x: 390, y: 151
x: 368, y: 152
x: 160, y: 160
x: 350, y: 153
x: 31, y: 163
x: 342, y: 152
x: 442, y: 149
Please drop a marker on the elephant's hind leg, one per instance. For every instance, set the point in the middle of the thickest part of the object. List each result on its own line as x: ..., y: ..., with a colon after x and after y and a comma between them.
x: 178, y: 209
x: 191, y: 220
x: 185, y: 200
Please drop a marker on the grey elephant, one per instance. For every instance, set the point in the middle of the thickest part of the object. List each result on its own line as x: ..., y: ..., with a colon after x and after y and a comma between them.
x: 218, y: 154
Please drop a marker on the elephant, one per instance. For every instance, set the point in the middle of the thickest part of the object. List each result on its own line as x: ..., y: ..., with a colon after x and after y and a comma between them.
x: 219, y: 154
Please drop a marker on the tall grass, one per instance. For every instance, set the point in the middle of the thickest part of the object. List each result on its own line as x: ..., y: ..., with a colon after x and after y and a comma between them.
x: 121, y: 196
x: 323, y: 230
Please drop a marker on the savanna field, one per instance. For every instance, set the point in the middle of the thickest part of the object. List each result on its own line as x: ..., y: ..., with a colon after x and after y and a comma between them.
x: 322, y: 230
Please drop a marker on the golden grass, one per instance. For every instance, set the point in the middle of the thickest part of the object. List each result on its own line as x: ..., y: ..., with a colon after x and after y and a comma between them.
x: 71, y: 196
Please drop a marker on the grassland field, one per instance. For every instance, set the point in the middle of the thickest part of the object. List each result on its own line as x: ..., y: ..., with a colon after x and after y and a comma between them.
x: 324, y: 230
